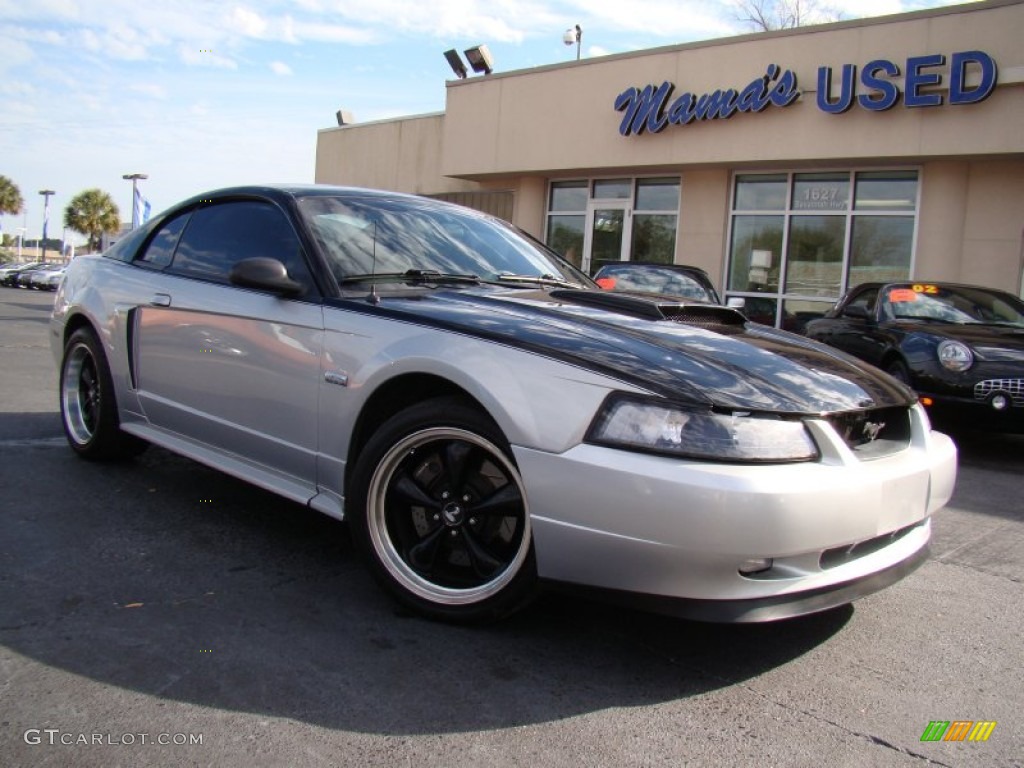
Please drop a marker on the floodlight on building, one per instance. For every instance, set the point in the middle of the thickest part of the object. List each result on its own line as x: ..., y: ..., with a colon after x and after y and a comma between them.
x: 479, y: 58
x: 455, y: 62
x: 571, y: 36
x: 344, y: 117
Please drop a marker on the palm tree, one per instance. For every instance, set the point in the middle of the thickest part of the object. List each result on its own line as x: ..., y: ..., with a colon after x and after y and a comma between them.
x: 10, y: 197
x: 92, y: 213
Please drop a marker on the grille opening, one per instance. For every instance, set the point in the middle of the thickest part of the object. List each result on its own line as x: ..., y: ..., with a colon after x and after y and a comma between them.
x: 876, y: 433
x: 833, y: 558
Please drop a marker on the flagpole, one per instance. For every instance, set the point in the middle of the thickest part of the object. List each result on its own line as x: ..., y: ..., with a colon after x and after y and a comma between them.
x: 134, y: 179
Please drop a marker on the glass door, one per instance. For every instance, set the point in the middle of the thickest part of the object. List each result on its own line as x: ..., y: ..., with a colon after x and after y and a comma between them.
x: 607, y: 236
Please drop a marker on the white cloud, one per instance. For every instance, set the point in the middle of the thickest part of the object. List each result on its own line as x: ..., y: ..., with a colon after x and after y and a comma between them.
x: 280, y: 68
x: 150, y: 89
x: 204, y: 57
x: 249, y: 23
x: 597, y: 50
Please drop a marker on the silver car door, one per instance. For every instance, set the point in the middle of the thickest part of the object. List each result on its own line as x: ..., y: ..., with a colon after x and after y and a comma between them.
x: 233, y: 369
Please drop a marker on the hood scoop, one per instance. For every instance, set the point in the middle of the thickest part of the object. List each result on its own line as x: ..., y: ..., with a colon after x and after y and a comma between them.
x: 655, y: 308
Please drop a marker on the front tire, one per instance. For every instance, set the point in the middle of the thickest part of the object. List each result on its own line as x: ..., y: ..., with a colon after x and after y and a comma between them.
x: 899, y: 371
x: 88, y: 407
x: 439, y: 509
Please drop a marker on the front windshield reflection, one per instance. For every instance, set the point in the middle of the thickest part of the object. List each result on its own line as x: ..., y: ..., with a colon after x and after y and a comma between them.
x: 961, y: 305
x: 366, y: 236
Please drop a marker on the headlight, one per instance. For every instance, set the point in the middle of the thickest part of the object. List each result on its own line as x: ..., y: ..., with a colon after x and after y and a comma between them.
x: 659, y: 428
x: 955, y: 356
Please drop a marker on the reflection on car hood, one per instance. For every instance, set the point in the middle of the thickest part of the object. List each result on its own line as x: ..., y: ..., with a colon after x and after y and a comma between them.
x: 734, y: 365
x: 975, y: 334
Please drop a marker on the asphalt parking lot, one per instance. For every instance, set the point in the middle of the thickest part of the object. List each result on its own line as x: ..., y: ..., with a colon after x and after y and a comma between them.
x: 157, y: 612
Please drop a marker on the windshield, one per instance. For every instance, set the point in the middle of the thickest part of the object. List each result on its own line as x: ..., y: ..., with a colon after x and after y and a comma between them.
x: 952, y: 304
x: 651, y: 279
x: 367, y: 236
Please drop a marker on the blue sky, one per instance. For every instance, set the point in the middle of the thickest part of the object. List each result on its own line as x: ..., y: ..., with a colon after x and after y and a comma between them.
x: 201, y: 94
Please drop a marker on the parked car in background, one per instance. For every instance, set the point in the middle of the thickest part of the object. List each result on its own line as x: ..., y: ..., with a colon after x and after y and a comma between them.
x: 47, y: 278
x: 960, y: 346
x: 23, y: 278
x: 676, y: 280
x: 9, y: 275
x: 486, y: 418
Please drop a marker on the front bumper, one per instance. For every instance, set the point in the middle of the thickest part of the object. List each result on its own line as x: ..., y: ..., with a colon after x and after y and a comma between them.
x: 662, y: 528
x: 976, y: 412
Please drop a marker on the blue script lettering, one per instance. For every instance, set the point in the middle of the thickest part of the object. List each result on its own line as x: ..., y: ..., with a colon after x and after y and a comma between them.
x: 645, y: 109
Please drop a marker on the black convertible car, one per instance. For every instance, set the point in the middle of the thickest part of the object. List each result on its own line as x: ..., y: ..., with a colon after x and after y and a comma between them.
x: 960, y: 346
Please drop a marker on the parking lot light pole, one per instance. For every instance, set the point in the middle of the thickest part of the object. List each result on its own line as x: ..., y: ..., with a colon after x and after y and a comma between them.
x: 46, y: 193
x: 134, y: 179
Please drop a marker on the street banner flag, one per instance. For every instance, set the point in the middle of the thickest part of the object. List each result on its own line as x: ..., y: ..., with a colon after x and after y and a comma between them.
x: 142, y: 208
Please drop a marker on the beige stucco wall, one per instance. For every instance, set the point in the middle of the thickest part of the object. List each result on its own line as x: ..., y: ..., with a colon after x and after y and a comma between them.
x: 561, y: 120
x: 518, y: 131
x: 972, y: 222
x: 401, y: 155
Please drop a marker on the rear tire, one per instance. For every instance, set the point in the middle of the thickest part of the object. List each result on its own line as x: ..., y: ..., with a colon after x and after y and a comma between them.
x: 88, y: 407
x: 439, y: 511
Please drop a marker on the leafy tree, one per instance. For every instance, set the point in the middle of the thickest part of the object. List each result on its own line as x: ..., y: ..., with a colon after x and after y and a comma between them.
x: 92, y: 213
x: 766, y: 15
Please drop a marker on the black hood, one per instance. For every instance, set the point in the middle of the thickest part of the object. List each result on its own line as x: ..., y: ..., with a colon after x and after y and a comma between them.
x: 695, y: 353
x: 974, y: 334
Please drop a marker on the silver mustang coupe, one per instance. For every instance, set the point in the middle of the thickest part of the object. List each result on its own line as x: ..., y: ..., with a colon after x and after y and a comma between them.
x: 487, y: 419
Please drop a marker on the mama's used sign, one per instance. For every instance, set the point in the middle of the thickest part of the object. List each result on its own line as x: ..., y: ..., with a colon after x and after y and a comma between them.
x: 653, y: 108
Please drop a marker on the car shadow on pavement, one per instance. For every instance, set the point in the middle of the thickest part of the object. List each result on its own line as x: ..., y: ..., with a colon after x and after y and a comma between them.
x: 29, y: 426
x: 161, y: 577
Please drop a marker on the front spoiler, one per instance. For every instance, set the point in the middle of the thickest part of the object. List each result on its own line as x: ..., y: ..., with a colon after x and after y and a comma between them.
x: 754, y: 610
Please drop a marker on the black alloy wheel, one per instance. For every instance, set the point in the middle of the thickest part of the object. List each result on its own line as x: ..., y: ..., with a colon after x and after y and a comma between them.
x: 440, y: 510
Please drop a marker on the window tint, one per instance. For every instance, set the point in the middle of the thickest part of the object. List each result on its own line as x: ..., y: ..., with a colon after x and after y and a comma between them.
x: 866, y: 299
x: 219, y: 236
x: 161, y: 248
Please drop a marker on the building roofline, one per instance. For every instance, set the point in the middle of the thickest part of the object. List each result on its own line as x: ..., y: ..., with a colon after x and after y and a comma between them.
x: 973, y: 6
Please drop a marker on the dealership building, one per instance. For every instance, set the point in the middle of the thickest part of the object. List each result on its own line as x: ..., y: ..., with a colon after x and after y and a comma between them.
x: 790, y: 165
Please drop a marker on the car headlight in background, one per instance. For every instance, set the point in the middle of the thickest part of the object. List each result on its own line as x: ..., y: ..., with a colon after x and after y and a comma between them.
x: 659, y: 428
x: 955, y: 356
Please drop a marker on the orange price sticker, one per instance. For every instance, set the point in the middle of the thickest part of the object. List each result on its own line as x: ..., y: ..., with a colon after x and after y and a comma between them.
x: 902, y: 295
x: 606, y: 282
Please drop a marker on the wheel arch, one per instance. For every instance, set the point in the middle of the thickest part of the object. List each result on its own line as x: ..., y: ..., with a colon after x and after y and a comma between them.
x: 395, y: 395
x: 76, y: 321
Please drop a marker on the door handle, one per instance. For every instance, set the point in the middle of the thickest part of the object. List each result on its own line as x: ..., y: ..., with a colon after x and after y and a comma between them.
x: 160, y: 300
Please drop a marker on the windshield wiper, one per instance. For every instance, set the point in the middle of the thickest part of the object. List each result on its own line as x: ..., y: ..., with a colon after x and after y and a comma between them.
x: 545, y: 279
x: 411, y: 275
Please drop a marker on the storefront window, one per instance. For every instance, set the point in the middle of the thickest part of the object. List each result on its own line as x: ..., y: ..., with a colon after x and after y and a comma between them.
x: 797, y: 313
x: 821, y: 191
x: 601, y: 221
x: 887, y: 190
x: 880, y: 248
x: 833, y: 231
x: 612, y: 189
x: 814, y: 263
x: 565, y: 236
x: 657, y: 195
x: 568, y: 196
x: 761, y: 192
x: 567, y: 219
x: 756, y: 253
x: 654, y: 238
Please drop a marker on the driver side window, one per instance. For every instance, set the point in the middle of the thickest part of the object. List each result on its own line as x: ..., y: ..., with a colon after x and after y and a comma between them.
x: 218, y: 236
